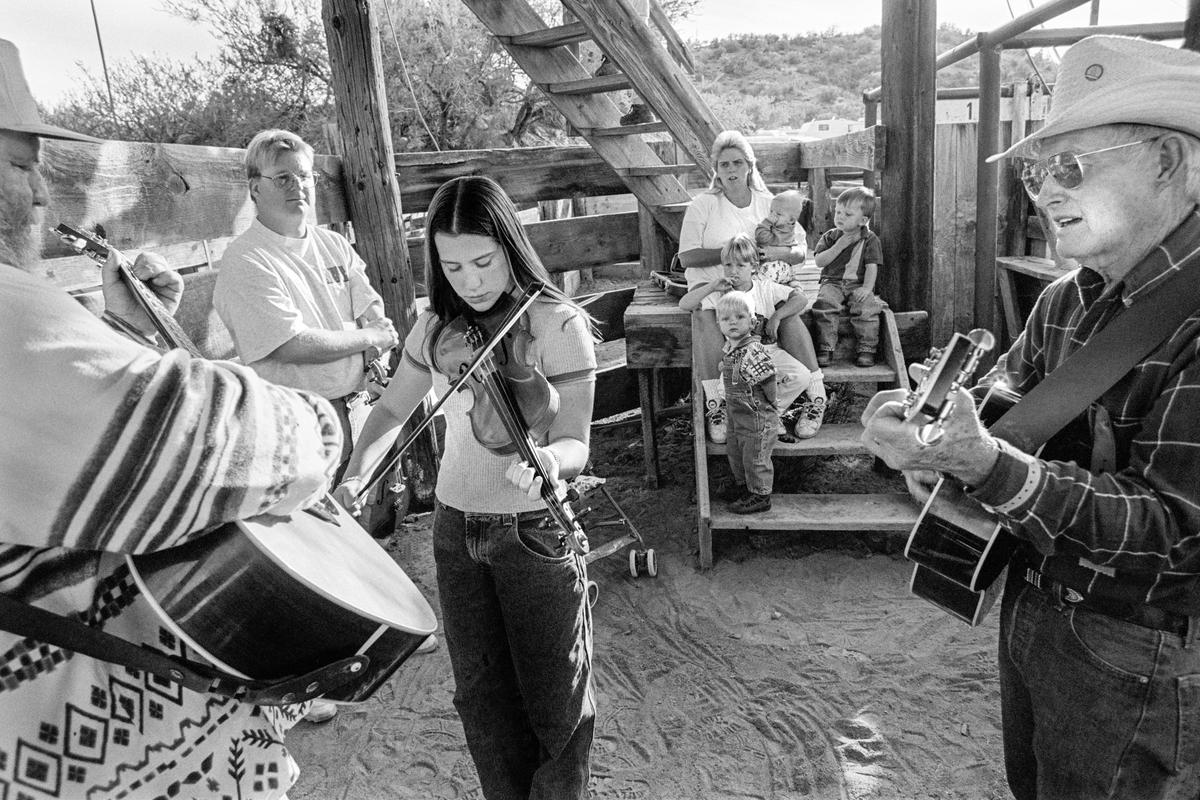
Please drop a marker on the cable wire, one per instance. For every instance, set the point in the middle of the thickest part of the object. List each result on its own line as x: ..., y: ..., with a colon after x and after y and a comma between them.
x: 407, y: 81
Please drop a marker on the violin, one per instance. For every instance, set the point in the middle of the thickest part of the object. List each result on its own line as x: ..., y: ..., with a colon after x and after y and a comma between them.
x: 507, y: 385
x: 514, y: 400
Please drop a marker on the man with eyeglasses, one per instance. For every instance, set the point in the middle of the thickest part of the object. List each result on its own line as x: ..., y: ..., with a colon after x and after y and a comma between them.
x: 295, y: 297
x: 1099, y: 652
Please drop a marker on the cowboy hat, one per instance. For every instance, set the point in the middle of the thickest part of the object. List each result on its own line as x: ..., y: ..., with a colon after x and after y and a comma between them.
x: 18, y: 111
x: 1105, y: 80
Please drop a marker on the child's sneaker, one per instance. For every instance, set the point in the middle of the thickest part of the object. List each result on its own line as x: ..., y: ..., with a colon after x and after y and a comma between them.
x: 714, y: 411
x: 865, y: 359
x: 824, y: 358
x: 751, y: 504
x: 714, y: 423
x: 810, y: 417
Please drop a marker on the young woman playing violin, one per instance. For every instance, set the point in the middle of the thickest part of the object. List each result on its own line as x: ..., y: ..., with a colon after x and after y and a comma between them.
x: 513, y: 592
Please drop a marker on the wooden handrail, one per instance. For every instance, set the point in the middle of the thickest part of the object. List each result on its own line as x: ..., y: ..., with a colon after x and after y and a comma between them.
x: 675, y: 46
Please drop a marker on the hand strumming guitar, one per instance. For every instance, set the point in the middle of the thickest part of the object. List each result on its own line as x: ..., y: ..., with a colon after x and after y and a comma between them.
x: 151, y: 268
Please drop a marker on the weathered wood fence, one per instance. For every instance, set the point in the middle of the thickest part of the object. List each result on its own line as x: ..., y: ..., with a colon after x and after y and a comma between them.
x: 187, y: 202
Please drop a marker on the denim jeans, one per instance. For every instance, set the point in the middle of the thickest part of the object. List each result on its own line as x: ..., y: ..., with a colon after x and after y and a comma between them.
x: 752, y: 430
x: 519, y: 632
x: 864, y: 315
x: 1093, y: 706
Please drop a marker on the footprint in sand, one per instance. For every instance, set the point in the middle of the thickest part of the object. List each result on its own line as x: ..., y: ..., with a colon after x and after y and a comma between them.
x: 860, y: 741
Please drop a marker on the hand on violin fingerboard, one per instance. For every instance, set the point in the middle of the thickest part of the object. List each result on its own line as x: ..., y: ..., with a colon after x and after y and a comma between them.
x: 525, y: 478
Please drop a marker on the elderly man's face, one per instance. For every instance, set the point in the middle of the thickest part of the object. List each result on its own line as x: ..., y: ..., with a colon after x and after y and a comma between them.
x: 22, y: 194
x: 1115, y: 215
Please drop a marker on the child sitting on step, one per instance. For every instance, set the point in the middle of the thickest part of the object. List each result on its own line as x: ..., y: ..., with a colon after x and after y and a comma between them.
x: 849, y: 255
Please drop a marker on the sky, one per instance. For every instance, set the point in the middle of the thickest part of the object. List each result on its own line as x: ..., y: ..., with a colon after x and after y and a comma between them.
x: 56, y: 35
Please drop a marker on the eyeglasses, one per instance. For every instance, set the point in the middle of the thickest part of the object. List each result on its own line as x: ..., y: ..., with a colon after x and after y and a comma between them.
x: 1064, y: 168
x: 286, y: 180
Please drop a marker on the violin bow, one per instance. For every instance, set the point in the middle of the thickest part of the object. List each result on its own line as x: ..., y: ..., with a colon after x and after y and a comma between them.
x: 530, y: 294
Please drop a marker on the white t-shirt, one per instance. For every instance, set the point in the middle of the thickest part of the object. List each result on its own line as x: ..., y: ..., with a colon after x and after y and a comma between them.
x: 471, y: 477
x: 271, y: 288
x: 764, y: 294
x: 711, y: 221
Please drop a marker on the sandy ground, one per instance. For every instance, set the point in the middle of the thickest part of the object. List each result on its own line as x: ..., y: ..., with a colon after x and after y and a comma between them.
x: 798, y: 667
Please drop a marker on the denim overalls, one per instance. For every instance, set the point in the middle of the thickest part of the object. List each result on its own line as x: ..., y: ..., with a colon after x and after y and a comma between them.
x: 753, y: 424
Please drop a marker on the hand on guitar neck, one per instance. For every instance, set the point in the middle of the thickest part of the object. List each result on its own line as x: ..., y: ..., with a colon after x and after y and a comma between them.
x: 151, y: 269
x: 921, y: 439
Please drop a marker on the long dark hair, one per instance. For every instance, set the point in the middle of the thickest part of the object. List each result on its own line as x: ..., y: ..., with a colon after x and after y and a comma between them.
x: 477, y: 205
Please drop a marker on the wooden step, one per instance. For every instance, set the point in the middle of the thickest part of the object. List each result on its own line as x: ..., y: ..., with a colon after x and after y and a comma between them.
x: 604, y: 83
x: 845, y: 372
x: 549, y: 37
x: 626, y: 130
x: 832, y: 440
x: 824, y: 512
x: 675, y: 208
x: 654, y: 169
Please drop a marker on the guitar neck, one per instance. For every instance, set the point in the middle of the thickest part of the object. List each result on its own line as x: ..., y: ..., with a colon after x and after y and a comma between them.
x: 166, y: 325
x: 97, y: 249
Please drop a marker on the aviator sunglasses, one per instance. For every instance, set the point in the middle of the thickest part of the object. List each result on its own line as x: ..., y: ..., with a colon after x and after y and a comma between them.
x: 1065, y: 168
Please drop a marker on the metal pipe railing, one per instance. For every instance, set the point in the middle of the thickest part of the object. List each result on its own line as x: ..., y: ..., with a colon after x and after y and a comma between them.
x: 1008, y: 30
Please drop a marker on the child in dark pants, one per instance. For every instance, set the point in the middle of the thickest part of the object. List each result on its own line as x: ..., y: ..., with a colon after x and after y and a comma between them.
x: 849, y: 255
x: 748, y: 377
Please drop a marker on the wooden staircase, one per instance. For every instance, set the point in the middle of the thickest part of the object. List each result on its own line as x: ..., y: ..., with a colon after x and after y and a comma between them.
x: 811, y: 512
x: 646, y: 66
x: 654, y: 72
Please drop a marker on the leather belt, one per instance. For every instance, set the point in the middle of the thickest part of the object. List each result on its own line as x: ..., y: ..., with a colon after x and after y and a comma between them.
x: 1147, y: 616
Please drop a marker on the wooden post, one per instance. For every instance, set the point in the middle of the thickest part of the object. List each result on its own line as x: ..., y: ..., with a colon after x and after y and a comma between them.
x: 986, y: 183
x: 368, y: 161
x: 372, y: 190
x: 908, y: 53
x: 870, y: 119
x: 1191, y: 28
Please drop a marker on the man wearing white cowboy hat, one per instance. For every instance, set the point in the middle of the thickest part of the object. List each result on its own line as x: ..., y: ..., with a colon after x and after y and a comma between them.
x: 109, y: 448
x: 1099, y: 649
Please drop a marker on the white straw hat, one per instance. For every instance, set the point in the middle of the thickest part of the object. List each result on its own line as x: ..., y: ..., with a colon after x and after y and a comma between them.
x: 18, y: 111
x: 1103, y: 80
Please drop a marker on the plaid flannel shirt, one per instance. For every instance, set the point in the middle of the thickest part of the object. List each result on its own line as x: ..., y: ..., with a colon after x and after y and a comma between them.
x: 751, y: 361
x: 1132, y: 534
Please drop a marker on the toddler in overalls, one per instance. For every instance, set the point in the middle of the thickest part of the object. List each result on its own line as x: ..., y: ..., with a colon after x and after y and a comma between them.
x: 748, y: 378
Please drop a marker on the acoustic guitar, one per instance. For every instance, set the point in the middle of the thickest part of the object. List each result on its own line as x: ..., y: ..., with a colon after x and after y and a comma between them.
x: 958, y: 548
x: 273, y: 597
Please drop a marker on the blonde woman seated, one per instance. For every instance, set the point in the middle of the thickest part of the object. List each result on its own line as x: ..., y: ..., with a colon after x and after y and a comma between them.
x: 735, y: 202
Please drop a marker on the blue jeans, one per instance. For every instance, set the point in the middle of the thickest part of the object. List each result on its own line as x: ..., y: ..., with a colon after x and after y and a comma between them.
x: 519, y: 632
x: 832, y: 297
x: 1093, y: 706
x: 752, y: 430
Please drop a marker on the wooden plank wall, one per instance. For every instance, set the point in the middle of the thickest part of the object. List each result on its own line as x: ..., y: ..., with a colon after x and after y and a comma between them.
x: 187, y: 203
x: 951, y: 280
